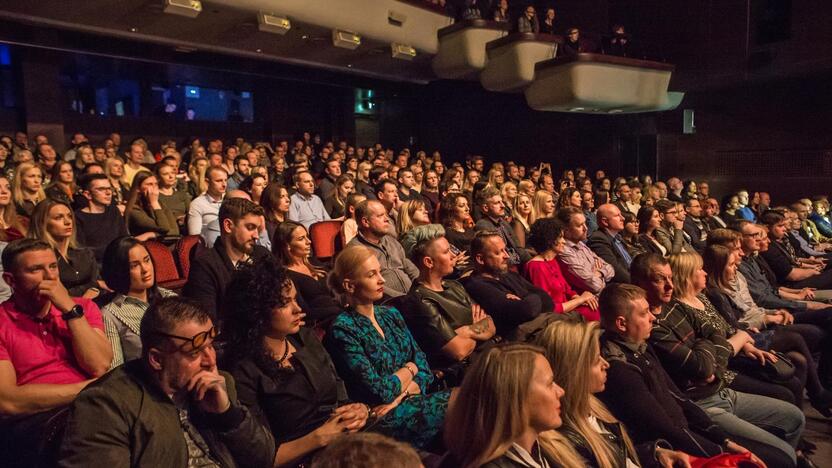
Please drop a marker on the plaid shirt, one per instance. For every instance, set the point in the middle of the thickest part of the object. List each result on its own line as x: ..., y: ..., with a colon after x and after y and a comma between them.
x: 691, y: 351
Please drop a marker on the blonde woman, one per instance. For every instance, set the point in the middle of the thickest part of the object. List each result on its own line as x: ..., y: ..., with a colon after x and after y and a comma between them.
x: 543, y: 205
x: 574, y: 352
x: 114, y: 169
x: 526, y: 186
x: 12, y: 226
x: 509, y: 193
x: 507, y: 409
x: 496, y: 178
x: 362, y: 182
x: 196, y: 172
x: 521, y: 215
x: 412, y: 213
x: 27, y: 188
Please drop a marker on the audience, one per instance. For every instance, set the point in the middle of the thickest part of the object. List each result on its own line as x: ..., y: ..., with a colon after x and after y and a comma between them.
x: 197, y: 420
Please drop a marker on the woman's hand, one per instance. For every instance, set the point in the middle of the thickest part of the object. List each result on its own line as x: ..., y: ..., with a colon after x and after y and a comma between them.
x: 334, y: 428
x: 413, y: 388
x: 776, y: 319
x: 354, y: 415
x: 589, y: 299
x: 671, y: 458
x: 734, y: 447
x: 754, y: 353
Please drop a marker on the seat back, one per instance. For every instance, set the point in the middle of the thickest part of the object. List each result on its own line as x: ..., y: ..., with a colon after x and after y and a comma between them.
x: 325, y: 237
x: 164, y: 265
x: 187, y: 247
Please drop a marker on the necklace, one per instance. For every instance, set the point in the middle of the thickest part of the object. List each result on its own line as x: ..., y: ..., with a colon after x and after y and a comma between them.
x: 285, y: 353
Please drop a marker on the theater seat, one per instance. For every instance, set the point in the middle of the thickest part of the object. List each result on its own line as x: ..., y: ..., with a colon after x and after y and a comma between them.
x: 187, y: 247
x: 164, y: 265
x: 326, y: 239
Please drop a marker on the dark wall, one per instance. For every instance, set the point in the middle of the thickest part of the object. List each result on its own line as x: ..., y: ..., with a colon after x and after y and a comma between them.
x: 771, y: 137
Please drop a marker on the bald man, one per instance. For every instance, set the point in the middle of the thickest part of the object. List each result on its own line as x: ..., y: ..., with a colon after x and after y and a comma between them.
x: 607, y: 244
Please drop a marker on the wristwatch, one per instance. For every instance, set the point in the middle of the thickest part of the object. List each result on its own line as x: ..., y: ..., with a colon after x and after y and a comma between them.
x: 73, y: 313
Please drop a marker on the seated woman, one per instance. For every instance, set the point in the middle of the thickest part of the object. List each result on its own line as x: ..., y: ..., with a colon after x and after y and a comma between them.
x: 412, y: 213
x: 689, y: 281
x: 197, y: 185
x: 649, y: 220
x: 254, y: 185
x: 275, y: 202
x: 455, y: 216
x: 114, y: 169
x: 544, y: 271
x: 63, y: 186
x: 521, y: 215
x: 128, y: 271
x: 509, y: 192
x: 574, y: 353
x: 336, y: 203
x: 446, y: 323
x: 12, y: 224
x: 349, y: 229
x: 766, y: 327
x: 54, y: 222
x: 543, y: 205
x: 506, y: 413
x: 27, y: 187
x: 629, y: 236
x: 282, y: 372
x: 170, y: 197
x: 570, y: 196
x: 376, y: 355
x: 144, y: 212
x: 292, y: 247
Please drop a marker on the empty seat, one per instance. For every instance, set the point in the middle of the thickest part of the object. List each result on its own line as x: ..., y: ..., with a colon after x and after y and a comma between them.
x: 164, y: 265
x: 326, y: 238
x: 187, y: 247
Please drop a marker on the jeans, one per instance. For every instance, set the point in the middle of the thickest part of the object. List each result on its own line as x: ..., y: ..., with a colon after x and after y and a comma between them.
x: 752, y: 417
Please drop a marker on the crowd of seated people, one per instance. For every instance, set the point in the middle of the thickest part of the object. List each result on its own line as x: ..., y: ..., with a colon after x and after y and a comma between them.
x: 482, y: 315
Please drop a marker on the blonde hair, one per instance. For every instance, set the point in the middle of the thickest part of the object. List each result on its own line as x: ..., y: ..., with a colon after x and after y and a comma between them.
x: 526, y: 221
x: 346, y: 266
x: 40, y: 218
x: 361, y: 167
x: 572, y: 348
x: 506, y: 185
x: 492, y: 174
x: 197, y: 175
x: 9, y: 214
x: 404, y: 222
x: 490, y: 412
x: 17, y: 183
x: 537, y: 206
x: 684, y: 265
x: 526, y: 186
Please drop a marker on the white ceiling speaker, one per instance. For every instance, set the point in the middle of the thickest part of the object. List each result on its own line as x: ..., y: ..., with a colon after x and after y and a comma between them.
x: 403, y: 51
x: 345, y: 39
x: 273, y: 24
x: 189, y: 8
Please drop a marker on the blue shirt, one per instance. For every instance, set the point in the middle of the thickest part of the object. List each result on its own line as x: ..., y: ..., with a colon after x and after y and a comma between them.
x: 307, y: 210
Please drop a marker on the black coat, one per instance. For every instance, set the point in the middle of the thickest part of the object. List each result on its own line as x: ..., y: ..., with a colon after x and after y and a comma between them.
x: 601, y: 242
x: 211, y: 272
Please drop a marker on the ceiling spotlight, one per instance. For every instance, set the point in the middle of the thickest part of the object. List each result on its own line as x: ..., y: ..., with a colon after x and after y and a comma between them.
x: 273, y: 24
x: 189, y: 8
x: 259, y: 51
x: 134, y: 29
x: 349, y: 65
x: 403, y: 51
x: 345, y: 39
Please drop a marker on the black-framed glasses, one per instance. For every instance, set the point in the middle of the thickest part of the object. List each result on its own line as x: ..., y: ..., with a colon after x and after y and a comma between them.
x: 196, y: 342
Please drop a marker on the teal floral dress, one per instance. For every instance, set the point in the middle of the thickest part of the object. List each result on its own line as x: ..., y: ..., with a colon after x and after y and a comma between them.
x: 366, y: 362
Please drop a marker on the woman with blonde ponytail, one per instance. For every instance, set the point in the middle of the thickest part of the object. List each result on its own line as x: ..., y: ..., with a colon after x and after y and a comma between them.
x: 573, y: 350
x: 506, y: 411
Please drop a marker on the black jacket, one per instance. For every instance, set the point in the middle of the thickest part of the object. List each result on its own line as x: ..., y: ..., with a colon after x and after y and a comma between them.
x: 695, y: 233
x: 601, y: 242
x: 508, y: 314
x: 211, y: 272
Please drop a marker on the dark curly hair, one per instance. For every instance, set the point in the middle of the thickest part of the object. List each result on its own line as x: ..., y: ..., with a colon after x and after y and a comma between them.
x: 252, y: 294
x: 544, y: 233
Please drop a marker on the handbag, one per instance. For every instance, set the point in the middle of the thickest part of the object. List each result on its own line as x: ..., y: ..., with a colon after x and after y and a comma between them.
x: 725, y: 460
x: 776, y: 372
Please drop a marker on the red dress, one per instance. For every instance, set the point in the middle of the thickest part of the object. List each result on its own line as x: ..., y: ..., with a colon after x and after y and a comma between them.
x: 546, y: 275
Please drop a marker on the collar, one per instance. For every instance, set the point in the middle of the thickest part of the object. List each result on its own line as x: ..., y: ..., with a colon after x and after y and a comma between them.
x: 212, y: 199
x: 121, y: 299
x: 574, y: 245
x: 18, y: 316
x: 305, y: 197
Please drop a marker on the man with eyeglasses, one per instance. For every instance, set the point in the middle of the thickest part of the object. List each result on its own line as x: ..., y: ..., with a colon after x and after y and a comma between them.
x: 171, y: 407
x: 98, y: 223
x: 670, y: 233
x: 51, y: 347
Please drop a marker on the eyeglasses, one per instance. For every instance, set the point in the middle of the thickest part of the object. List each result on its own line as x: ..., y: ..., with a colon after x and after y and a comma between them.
x: 196, y: 342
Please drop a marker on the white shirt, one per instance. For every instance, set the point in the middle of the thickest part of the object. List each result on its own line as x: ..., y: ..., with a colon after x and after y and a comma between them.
x: 203, y: 218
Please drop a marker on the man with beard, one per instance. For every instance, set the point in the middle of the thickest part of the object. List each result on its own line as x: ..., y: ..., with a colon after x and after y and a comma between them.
x: 211, y: 271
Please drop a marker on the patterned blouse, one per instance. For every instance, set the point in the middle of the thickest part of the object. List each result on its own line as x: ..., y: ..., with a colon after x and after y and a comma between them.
x: 122, y: 317
x: 367, y: 362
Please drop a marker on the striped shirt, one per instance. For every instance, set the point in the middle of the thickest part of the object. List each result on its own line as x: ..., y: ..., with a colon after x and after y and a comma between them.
x: 122, y: 318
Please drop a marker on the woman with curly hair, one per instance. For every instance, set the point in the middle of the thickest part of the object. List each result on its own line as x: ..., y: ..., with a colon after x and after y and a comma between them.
x: 282, y: 373
x: 454, y: 215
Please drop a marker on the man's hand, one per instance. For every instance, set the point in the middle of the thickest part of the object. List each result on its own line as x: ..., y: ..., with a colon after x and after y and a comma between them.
x: 671, y: 458
x: 512, y: 297
x: 807, y: 294
x: 209, y: 392
x: 57, y: 294
x: 734, y: 447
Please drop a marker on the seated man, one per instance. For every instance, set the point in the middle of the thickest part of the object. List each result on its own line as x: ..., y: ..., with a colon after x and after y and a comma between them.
x: 446, y: 323
x: 493, y: 211
x: 332, y: 171
x: 304, y: 206
x: 387, y: 192
x: 519, y: 308
x: 670, y: 234
x: 100, y: 221
x: 802, y: 247
x: 639, y: 391
x: 51, y: 346
x: 712, y: 218
x: 582, y: 268
x: 694, y: 224
x: 242, y: 169
x: 696, y: 358
x: 607, y: 244
x: 171, y: 407
x: 239, y: 221
x: 204, y: 209
x: 373, y: 232
x: 789, y: 269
